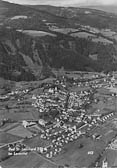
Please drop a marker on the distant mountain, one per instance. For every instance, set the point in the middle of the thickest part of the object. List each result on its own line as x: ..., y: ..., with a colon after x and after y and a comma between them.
x: 106, y: 8
x: 77, y: 15
x: 36, y: 39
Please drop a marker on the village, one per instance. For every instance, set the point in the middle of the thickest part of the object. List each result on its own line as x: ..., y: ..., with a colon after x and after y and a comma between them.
x: 63, y: 118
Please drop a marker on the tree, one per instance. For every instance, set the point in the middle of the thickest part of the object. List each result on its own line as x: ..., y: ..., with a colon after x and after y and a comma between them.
x: 61, y: 72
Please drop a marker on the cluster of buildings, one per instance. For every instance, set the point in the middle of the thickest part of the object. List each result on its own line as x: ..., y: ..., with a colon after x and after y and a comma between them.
x: 15, y: 147
x: 59, y: 139
x: 71, y: 120
x: 62, y: 114
x: 14, y: 94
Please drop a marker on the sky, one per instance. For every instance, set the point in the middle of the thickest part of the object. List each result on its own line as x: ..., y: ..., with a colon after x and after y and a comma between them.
x: 66, y: 2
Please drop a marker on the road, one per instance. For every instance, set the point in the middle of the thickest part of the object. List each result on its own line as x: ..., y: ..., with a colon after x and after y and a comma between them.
x: 6, y: 144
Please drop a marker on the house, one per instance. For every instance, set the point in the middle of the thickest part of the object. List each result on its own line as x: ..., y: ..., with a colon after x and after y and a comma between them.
x: 105, y: 163
x: 27, y: 124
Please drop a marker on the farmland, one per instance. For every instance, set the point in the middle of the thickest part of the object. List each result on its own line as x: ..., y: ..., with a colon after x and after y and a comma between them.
x: 35, y: 33
x: 102, y: 40
x: 64, y: 30
x: 82, y: 35
x: 19, y: 17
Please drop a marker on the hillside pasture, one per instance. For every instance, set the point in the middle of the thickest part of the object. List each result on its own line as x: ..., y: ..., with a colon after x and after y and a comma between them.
x: 8, y: 138
x: 108, y: 33
x: 115, y: 37
x: 64, y: 30
x: 27, y: 161
x: 35, y: 33
x: 20, y: 131
x: 19, y: 17
x: 82, y: 35
x: 102, y: 40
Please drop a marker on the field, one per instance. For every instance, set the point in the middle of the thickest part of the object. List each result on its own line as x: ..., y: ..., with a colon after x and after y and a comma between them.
x: 64, y: 30
x: 9, y: 126
x: 115, y: 37
x: 19, y: 17
x: 105, y: 103
x: 3, y: 153
x: 35, y: 33
x: 20, y: 131
x: 18, y: 116
x: 8, y: 138
x: 102, y: 40
x: 108, y: 33
x: 28, y: 161
x: 82, y: 35
x: 77, y: 156
x: 112, y: 157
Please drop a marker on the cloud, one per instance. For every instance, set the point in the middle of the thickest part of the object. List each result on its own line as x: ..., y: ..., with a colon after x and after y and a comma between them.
x: 65, y: 2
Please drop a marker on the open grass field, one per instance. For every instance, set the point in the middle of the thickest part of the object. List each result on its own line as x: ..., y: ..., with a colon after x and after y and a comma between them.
x: 106, y: 103
x: 111, y: 157
x: 102, y: 40
x: 8, y: 138
x: 20, y: 131
x: 31, y: 160
x: 19, y: 17
x: 115, y: 37
x: 9, y: 126
x: 3, y: 153
x: 35, y: 33
x: 108, y: 33
x: 80, y: 157
x: 18, y: 116
x: 64, y: 30
x: 82, y: 35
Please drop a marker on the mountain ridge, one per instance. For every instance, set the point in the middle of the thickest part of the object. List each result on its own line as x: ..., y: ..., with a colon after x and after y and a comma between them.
x: 33, y: 41
x: 105, y: 8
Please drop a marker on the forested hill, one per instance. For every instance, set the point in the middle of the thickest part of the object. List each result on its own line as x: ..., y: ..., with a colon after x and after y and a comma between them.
x: 34, y: 41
